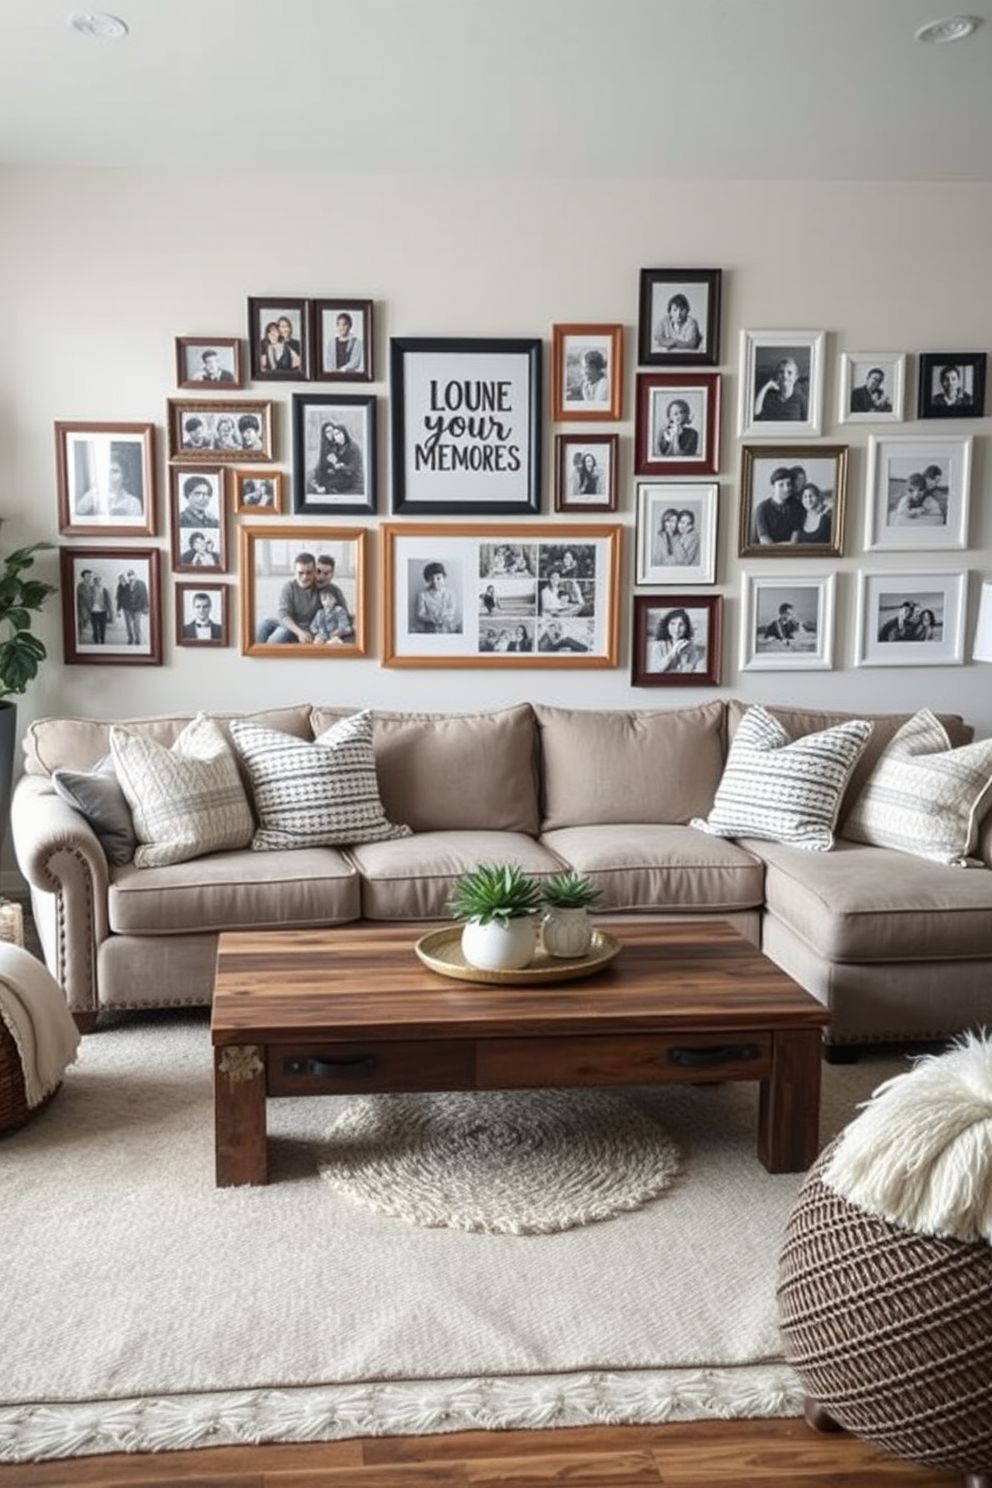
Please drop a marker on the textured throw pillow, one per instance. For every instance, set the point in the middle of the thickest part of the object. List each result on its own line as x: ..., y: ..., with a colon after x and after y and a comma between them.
x: 324, y: 794
x: 185, y: 801
x: 784, y: 790
x: 96, y: 794
x: 923, y: 797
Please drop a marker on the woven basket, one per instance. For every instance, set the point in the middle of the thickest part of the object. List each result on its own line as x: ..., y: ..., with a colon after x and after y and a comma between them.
x: 14, y: 1108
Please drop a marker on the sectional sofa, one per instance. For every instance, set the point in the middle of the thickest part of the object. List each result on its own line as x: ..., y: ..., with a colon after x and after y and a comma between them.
x: 897, y: 946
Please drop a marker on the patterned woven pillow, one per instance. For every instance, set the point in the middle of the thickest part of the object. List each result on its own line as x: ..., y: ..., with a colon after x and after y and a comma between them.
x: 324, y: 794
x: 185, y: 801
x: 923, y: 797
x: 784, y: 790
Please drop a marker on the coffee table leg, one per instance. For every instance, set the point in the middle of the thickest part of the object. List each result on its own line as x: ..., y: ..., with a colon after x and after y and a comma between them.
x: 789, y: 1104
x: 239, y: 1115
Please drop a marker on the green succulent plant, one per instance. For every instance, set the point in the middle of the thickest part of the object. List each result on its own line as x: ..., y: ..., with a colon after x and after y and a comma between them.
x: 569, y: 890
x: 495, y: 893
x: 21, y: 653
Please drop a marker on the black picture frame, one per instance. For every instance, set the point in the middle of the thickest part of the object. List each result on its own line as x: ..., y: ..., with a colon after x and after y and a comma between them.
x: 963, y: 370
x: 699, y: 291
x: 466, y: 425
x: 285, y: 358
x: 359, y: 345
x: 348, y: 483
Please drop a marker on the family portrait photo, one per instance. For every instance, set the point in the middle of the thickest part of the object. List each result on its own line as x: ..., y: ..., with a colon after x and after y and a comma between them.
x: 918, y: 492
x: 211, y: 430
x: 910, y: 619
x: 105, y: 479
x: 787, y: 623
x: 679, y: 317
x: 793, y: 500
x: 197, y: 518
x: 279, y: 339
x: 303, y: 591
x: 676, y: 640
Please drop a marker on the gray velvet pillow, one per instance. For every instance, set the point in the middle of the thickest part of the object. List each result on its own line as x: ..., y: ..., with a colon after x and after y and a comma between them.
x: 97, y: 795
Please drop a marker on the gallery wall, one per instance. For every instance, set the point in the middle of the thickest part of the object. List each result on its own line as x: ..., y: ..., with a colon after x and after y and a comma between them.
x: 104, y: 269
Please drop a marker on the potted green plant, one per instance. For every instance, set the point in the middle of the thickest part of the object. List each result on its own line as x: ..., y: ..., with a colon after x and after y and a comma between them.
x: 21, y: 652
x: 566, y: 929
x: 498, y: 902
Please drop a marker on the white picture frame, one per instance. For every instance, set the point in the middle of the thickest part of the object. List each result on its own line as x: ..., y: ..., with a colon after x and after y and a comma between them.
x: 881, y: 599
x: 872, y: 387
x: 762, y: 353
x: 787, y: 623
x: 666, y: 554
x: 917, y: 492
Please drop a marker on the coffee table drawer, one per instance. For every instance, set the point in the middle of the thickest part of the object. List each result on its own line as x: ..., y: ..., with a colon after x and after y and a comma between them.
x: 626, y: 1059
x: 345, y: 1069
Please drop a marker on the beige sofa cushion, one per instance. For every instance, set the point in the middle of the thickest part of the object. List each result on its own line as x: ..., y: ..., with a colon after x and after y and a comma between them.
x: 454, y: 771
x: 667, y: 869
x: 636, y: 765
x: 413, y: 879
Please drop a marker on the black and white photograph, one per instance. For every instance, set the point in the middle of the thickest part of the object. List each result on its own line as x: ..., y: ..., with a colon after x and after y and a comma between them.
x: 197, y: 518
x: 587, y: 371
x: 918, y: 492
x: 105, y: 475
x: 110, y: 606
x: 951, y: 384
x: 334, y: 453
x: 910, y: 619
x: 279, y: 339
x: 209, y: 361
x: 201, y: 615
x: 302, y: 591
x: 676, y: 532
x: 781, y: 383
x: 342, y: 340
x: 793, y: 500
x: 872, y: 387
x: 586, y: 472
x: 211, y: 430
x: 677, y: 424
x: 257, y: 493
x: 679, y: 317
x: 787, y: 623
x: 676, y: 640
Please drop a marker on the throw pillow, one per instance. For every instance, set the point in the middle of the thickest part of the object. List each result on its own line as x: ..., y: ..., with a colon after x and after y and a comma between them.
x: 784, y: 790
x: 923, y: 797
x: 187, y: 800
x: 96, y: 794
x: 324, y: 794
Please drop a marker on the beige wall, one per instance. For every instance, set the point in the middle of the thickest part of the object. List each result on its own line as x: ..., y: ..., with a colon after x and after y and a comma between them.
x: 103, y: 269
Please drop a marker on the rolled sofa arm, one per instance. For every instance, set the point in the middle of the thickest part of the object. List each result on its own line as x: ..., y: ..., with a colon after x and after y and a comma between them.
x: 60, y: 856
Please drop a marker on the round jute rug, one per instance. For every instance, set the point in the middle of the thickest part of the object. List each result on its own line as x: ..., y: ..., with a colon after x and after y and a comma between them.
x: 524, y: 1162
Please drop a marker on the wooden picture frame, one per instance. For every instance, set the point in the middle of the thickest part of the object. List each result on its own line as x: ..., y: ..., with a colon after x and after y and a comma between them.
x: 778, y: 519
x: 480, y: 595
x: 268, y: 560
x: 201, y: 614
x: 781, y: 384
x: 209, y: 361
x: 105, y: 478
x: 678, y: 321
x: 677, y: 424
x: 910, y: 619
x: 872, y: 387
x: 676, y: 640
x: 211, y: 429
x: 587, y: 372
x: 951, y: 385
x: 198, y: 518
x: 586, y: 472
x: 258, y: 493
x: 279, y: 338
x: 787, y: 623
x: 676, y: 532
x: 466, y: 426
x: 334, y: 454
x: 341, y: 337
x: 917, y: 492
x: 130, y: 630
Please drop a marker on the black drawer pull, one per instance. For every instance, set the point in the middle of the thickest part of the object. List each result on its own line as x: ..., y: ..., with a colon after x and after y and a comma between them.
x: 323, y: 1069
x: 707, y: 1058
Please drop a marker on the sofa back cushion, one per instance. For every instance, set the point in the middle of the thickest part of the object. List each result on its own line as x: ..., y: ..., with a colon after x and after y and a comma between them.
x: 636, y: 765
x: 454, y: 771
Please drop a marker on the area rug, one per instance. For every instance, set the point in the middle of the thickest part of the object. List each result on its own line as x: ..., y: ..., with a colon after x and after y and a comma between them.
x: 142, y: 1308
x: 511, y: 1162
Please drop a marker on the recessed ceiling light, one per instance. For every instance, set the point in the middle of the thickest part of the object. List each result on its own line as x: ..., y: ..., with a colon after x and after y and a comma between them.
x: 953, y: 28
x: 96, y: 25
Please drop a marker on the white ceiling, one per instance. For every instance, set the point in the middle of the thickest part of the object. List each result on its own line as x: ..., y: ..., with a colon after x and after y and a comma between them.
x: 690, y: 89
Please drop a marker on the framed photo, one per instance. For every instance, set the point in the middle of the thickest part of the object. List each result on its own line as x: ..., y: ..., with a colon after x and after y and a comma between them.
x: 196, y: 518
x: 677, y: 427
x: 910, y: 619
x: 587, y: 372
x: 209, y: 361
x: 781, y: 383
x: 257, y: 493
x: 279, y: 339
x: 872, y: 387
x: 951, y: 384
x: 586, y: 472
x: 793, y: 500
x: 334, y: 448
x: 676, y: 533
x: 917, y: 492
x: 679, y: 318
x: 303, y: 591
x: 201, y: 615
x: 478, y: 596
x: 466, y: 425
x: 110, y: 606
x: 341, y: 334
x: 106, y: 479
x: 788, y: 624
x: 211, y: 430
x: 676, y: 640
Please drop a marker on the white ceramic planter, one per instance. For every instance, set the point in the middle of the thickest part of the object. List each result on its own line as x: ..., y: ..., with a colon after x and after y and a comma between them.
x: 497, y: 948
x: 566, y: 932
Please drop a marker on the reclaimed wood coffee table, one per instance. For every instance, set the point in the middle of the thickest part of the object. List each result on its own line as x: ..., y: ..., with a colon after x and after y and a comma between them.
x: 353, y: 1010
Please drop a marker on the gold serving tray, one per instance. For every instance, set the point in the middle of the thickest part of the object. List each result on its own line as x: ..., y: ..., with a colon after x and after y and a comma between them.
x: 441, y: 950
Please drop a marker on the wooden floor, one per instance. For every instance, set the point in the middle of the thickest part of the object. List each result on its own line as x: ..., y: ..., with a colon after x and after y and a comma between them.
x: 704, y: 1454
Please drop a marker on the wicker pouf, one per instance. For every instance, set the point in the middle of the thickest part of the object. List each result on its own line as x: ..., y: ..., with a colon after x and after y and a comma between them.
x: 16, y: 962
x: 890, y: 1331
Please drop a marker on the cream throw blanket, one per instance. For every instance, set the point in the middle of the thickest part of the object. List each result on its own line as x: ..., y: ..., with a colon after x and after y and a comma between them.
x: 32, y: 1008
